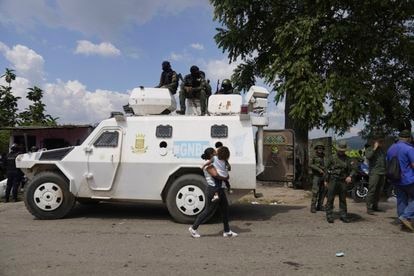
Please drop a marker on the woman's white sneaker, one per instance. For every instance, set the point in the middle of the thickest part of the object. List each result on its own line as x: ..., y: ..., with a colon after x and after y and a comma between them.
x: 230, y: 234
x: 194, y: 233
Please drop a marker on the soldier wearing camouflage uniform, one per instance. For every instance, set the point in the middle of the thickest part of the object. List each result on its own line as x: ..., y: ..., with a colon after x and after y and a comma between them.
x: 318, y: 179
x: 226, y: 87
x: 169, y: 78
x: 376, y: 157
x: 193, y: 86
x: 340, y: 172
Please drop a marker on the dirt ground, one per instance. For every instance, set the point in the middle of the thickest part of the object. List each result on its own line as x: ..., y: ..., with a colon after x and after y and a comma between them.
x: 277, y: 236
x: 275, y: 194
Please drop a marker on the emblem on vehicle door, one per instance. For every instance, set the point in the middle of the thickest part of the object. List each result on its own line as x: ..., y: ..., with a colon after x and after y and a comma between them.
x: 139, y: 146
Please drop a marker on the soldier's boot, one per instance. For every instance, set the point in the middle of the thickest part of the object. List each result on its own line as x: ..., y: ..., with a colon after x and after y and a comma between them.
x: 376, y: 209
x: 330, y: 219
x: 320, y: 208
x: 182, y: 103
x: 370, y: 211
x: 345, y: 219
x: 313, y: 203
x: 203, y: 106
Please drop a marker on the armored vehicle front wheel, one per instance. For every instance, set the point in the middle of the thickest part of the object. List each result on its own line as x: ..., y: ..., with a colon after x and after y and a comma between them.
x: 186, y: 198
x: 48, y: 197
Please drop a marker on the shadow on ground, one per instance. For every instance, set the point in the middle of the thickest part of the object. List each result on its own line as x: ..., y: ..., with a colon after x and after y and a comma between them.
x: 153, y: 211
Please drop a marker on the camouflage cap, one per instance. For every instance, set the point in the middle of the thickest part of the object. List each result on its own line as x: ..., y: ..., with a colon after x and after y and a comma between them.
x: 319, y: 145
x: 342, y: 146
x: 405, y: 134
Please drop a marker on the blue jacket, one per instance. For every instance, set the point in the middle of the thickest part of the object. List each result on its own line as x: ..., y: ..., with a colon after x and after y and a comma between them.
x: 405, y: 152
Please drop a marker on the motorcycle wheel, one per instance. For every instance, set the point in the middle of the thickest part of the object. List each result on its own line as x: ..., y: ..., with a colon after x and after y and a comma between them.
x: 359, y: 193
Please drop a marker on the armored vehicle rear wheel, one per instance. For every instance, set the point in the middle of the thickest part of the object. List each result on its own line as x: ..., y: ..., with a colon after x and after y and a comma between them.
x: 48, y: 197
x: 186, y: 198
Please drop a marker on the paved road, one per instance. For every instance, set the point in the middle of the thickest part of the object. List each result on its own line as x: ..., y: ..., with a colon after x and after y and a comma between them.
x: 119, y: 239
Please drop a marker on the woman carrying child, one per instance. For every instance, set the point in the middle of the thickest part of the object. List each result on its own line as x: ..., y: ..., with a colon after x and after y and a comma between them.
x: 211, y: 175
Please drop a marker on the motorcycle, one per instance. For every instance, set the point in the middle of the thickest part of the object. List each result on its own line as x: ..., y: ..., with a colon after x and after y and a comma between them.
x: 359, y: 190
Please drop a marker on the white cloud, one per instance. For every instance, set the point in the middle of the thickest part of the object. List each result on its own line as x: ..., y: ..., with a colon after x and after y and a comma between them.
x: 105, y: 49
x: 25, y: 14
x: 73, y: 103
x: 103, y: 18
x: 220, y: 69
x: 70, y: 101
x: 176, y: 57
x: 197, y: 46
x: 25, y: 61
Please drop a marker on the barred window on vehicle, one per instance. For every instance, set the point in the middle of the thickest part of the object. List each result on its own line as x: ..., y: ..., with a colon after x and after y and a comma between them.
x: 164, y: 131
x: 107, y: 139
x: 219, y: 131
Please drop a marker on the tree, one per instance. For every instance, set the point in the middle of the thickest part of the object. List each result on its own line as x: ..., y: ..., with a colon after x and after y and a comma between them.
x: 334, y: 62
x: 34, y: 114
x: 9, y: 76
x: 8, y: 102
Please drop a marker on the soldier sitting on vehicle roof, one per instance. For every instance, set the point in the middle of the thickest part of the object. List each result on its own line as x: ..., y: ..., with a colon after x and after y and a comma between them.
x: 169, y: 78
x: 193, y: 86
x: 226, y: 87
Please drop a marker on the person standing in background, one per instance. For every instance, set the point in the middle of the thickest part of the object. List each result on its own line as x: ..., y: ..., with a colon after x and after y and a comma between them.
x: 375, y: 155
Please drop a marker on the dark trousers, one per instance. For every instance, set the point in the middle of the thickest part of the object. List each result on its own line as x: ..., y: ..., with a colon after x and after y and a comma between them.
x: 336, y: 187
x: 12, y: 185
x: 210, y: 207
x: 200, y: 95
x: 318, y: 191
x: 405, y: 201
x: 376, y: 182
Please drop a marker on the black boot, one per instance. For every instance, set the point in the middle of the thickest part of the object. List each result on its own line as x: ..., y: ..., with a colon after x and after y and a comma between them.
x: 313, y: 208
x: 345, y: 219
x: 370, y: 212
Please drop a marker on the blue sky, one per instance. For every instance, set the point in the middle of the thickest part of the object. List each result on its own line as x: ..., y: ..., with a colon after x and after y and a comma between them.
x: 88, y: 55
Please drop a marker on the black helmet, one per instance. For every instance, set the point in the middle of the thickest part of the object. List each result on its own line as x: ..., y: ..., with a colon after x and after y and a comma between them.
x: 226, y: 83
x: 194, y: 69
x: 166, y: 65
x: 13, y: 147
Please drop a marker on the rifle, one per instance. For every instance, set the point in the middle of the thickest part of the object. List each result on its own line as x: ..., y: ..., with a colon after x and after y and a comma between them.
x: 217, y: 87
x: 180, y: 77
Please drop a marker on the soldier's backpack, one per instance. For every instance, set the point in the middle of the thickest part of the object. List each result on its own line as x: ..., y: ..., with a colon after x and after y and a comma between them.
x: 393, y: 170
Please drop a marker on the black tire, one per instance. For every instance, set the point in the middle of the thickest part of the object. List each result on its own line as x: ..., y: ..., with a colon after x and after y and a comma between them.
x: 47, y: 196
x: 359, y: 195
x: 186, y: 213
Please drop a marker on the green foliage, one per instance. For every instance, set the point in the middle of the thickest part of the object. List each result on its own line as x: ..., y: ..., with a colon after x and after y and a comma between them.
x: 9, y: 76
x: 8, y: 107
x: 34, y: 114
x: 336, y: 62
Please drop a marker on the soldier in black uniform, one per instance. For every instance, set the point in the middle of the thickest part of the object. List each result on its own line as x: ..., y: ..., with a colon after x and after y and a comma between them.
x: 318, y: 178
x: 193, y: 86
x: 169, y: 78
x: 13, y: 173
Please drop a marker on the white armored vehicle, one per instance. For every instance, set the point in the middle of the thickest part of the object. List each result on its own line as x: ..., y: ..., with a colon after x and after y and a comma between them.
x: 149, y: 156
